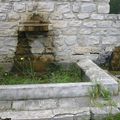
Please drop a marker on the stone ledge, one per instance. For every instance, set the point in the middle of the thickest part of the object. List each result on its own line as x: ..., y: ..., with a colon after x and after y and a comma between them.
x: 101, y: 113
x: 62, y: 114
x: 97, y: 75
x: 44, y: 91
x: 85, y: 113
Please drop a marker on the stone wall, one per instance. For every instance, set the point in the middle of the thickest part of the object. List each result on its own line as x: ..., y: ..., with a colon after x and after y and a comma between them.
x: 79, y: 27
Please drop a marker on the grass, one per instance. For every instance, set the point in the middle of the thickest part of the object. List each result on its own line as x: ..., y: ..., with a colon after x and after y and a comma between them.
x: 113, y: 117
x: 54, y: 75
x: 115, y: 72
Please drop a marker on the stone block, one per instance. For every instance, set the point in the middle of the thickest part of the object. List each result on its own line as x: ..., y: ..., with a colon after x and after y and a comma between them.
x: 101, y: 113
x: 35, y: 104
x: 59, y: 23
x: 83, y: 50
x: 19, y: 7
x: 97, y: 17
x: 20, y: 92
x: 5, y: 7
x: 56, y: 15
x: 103, y: 8
x: 77, y: 114
x: 24, y: 115
x: 74, y: 23
x: 5, y: 105
x: 88, y: 7
x: 63, y: 7
x: 7, y: 25
x: 63, y: 117
x: 69, y: 15
x: 45, y: 6
x: 68, y: 103
x: 89, y: 23
x: 70, y: 40
x: 109, y: 40
x: 104, y: 23
x: 3, y: 16
x: 87, y: 40
x: 76, y: 7
x: 116, y: 24
x: 31, y: 6
x: 70, y: 31
x: 85, y: 31
x: 85, y: 115
x: 83, y: 15
x: 13, y: 16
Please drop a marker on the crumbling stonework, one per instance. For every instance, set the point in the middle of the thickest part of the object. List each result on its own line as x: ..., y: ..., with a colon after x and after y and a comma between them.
x: 79, y: 27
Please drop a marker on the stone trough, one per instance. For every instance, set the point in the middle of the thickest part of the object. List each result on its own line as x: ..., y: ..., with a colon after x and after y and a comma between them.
x: 16, y: 98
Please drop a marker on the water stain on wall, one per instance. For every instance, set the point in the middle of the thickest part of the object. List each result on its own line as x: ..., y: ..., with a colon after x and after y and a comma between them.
x: 34, y: 28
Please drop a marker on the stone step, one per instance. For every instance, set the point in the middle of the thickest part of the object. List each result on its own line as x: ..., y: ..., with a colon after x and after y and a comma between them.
x: 57, y: 114
x: 86, y: 113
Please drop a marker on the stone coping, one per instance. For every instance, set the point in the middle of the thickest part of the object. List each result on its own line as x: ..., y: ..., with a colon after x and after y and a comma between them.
x: 97, y: 75
x: 85, y: 113
x: 63, y: 90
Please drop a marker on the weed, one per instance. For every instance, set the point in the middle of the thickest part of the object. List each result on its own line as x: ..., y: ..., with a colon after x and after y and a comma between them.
x: 55, y: 74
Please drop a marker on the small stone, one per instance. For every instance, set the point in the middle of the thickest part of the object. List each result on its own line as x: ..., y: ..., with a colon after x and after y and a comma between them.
x: 76, y: 7
x: 85, y: 31
x: 63, y: 8
x: 69, y: 16
x: 56, y: 16
x: 97, y: 17
x: 109, y: 40
x: 34, y: 104
x: 45, y: 6
x: 103, y: 8
x: 70, y: 40
x: 5, y: 7
x: 19, y: 7
x: 75, y: 23
x: 88, y: 7
x: 90, y: 24
x: 3, y: 16
x: 13, y: 16
x: 83, y: 15
x: 5, y: 105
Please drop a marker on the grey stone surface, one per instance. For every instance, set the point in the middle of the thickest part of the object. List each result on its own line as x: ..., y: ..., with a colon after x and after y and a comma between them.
x: 19, y: 7
x: 63, y: 114
x: 22, y: 115
x: 101, y: 113
x: 45, y: 7
x: 78, y: 114
x: 96, y: 74
x: 5, y: 105
x: 88, y: 7
x: 63, y: 117
x: 68, y: 103
x: 103, y: 8
x: 26, y: 92
x: 34, y: 104
x: 81, y: 17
